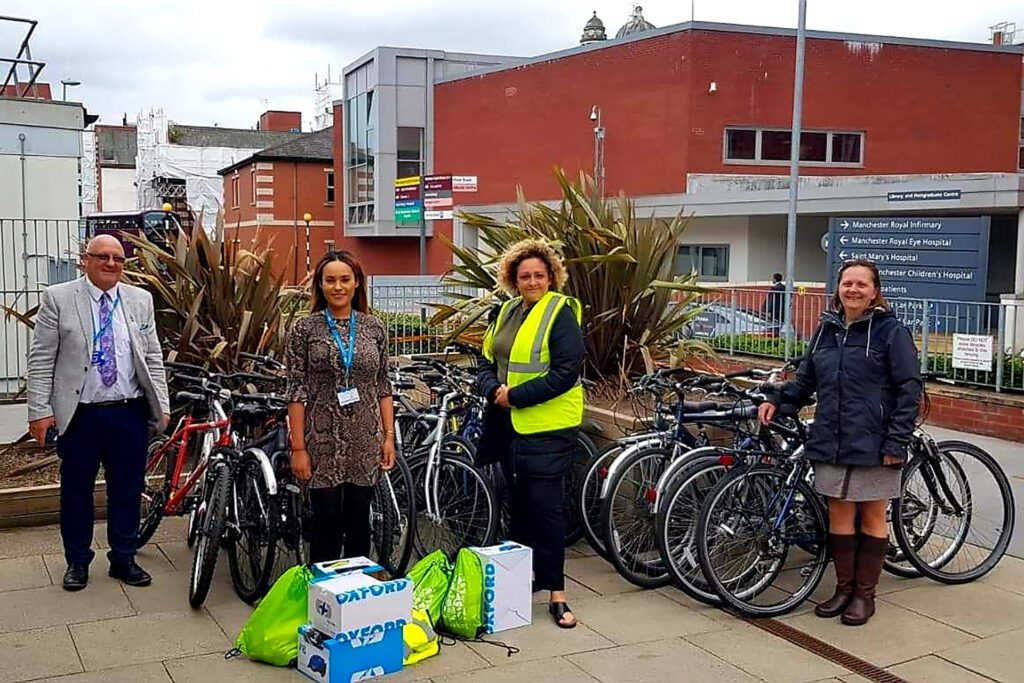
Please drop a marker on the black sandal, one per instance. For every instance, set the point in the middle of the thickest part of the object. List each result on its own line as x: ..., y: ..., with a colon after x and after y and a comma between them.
x: 558, y: 611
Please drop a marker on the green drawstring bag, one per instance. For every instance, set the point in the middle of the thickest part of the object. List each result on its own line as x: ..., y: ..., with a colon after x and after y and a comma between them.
x: 430, y: 577
x: 462, y: 613
x: 272, y: 633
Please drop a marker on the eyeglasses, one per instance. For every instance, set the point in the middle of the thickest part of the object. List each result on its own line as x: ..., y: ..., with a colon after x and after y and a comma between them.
x: 107, y: 257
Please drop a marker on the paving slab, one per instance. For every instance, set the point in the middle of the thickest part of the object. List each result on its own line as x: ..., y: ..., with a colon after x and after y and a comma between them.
x: 663, y: 660
x: 153, y: 638
x: 765, y: 656
x: 541, y: 640
x: 230, y: 616
x: 52, y: 606
x: 30, y: 541
x: 932, y: 669
x: 18, y: 573
x: 574, y: 591
x: 556, y: 669
x: 453, y: 660
x: 997, y: 657
x: 639, y: 617
x: 894, y: 635
x: 169, y: 592
x: 149, y: 558
x: 598, y: 575
x: 976, y: 608
x: 213, y: 667
x: 27, y: 655
x: 1008, y: 575
x: 138, y: 673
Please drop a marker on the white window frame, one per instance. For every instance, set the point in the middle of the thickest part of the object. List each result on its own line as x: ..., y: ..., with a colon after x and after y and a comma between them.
x: 331, y: 181
x: 758, y: 161
x: 252, y: 176
x: 234, y: 190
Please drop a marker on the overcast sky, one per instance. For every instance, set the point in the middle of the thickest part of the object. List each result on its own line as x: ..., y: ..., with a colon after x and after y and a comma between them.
x: 207, y: 62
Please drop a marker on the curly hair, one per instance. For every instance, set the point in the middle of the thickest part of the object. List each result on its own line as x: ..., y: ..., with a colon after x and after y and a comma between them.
x: 525, y: 249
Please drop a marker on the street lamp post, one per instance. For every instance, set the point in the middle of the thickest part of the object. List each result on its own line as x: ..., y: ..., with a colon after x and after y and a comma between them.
x: 307, y: 217
x: 794, y: 173
x: 595, y: 116
x: 66, y: 83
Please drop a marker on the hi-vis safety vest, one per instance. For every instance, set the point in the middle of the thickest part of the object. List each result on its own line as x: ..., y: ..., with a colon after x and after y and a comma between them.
x: 530, y: 358
x: 420, y: 639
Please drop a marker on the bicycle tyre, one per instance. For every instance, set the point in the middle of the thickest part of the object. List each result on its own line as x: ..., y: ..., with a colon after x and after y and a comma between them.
x: 257, y: 518
x: 204, y: 562
x: 475, y: 492
x: 589, y: 499
x: 393, y: 551
x: 641, y: 572
x: 811, y: 580
x: 154, y: 494
x: 582, y: 455
x: 938, y: 571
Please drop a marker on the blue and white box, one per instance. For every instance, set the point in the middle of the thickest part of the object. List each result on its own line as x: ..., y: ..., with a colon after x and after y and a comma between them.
x: 347, y: 565
x: 508, y: 586
x: 334, y: 660
x: 351, y: 605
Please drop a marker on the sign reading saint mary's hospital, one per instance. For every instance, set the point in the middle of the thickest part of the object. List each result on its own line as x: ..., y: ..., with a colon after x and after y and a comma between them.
x: 918, y: 258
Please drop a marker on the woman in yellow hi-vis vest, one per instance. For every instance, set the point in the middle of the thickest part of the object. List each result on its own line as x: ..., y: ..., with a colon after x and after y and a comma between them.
x: 531, y: 378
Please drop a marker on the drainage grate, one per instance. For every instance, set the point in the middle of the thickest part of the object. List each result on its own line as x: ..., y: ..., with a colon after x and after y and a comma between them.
x: 826, y: 651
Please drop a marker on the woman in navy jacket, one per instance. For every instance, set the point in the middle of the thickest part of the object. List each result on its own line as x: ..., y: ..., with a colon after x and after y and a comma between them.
x: 864, y: 367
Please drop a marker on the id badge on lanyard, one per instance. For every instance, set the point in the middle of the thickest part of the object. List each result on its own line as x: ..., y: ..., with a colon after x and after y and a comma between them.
x: 346, y: 353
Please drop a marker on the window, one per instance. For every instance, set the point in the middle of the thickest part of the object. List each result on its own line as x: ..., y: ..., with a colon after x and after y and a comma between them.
x: 410, y: 154
x: 772, y: 147
x: 361, y: 146
x: 330, y: 187
x: 710, y: 261
x: 234, y: 191
x: 252, y: 177
x: 1020, y: 151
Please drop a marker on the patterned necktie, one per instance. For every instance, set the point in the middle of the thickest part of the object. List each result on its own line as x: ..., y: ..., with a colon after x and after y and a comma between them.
x: 108, y: 362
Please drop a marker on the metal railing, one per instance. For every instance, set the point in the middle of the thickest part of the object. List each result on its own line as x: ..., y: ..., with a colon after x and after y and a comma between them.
x: 975, y: 343
x: 34, y: 253
x: 404, y: 305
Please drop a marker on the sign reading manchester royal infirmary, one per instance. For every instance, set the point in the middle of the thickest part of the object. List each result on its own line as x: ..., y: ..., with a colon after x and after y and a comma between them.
x: 918, y: 258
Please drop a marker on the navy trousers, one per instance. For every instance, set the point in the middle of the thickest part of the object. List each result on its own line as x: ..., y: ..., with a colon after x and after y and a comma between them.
x: 538, y: 521
x: 116, y: 437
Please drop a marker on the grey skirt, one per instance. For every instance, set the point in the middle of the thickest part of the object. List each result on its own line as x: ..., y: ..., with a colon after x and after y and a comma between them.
x: 857, y: 483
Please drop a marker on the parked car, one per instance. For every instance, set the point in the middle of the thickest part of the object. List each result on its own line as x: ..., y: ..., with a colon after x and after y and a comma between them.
x: 718, y: 320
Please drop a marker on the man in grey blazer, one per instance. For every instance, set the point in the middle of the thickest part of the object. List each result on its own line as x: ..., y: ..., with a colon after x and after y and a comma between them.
x: 96, y: 383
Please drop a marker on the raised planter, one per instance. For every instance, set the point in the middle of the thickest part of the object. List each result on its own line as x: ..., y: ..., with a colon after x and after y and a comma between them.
x: 38, y: 505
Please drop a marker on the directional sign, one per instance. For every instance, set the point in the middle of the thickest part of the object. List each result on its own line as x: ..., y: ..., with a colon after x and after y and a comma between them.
x: 924, y: 196
x: 917, y: 258
x: 437, y: 197
x: 408, y: 202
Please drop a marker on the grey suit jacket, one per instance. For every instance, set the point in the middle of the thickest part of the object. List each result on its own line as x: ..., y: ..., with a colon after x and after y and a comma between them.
x: 61, y: 352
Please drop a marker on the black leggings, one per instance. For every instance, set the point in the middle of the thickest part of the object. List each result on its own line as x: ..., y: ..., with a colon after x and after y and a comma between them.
x: 341, y: 519
x: 538, y: 521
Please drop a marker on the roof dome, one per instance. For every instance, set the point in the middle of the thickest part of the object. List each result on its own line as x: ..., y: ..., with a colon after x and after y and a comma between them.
x: 593, y: 31
x: 636, y: 23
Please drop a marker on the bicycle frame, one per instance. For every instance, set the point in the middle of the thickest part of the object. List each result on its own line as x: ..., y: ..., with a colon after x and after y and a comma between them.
x: 430, y: 484
x: 219, y: 428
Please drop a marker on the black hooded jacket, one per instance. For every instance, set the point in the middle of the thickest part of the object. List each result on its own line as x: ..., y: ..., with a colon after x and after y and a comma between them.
x: 867, y: 379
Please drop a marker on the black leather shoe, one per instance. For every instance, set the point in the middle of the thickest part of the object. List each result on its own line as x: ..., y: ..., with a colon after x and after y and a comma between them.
x: 131, y: 574
x: 76, y: 577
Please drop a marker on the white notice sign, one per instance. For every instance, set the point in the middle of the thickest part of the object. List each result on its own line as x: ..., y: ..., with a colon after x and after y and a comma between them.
x: 463, y: 183
x: 972, y: 352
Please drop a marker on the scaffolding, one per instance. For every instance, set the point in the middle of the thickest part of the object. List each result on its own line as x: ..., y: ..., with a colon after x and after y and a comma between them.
x: 22, y: 64
x: 324, y: 95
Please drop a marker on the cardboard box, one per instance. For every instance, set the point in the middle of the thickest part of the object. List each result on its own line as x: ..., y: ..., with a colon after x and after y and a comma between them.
x: 508, y: 587
x: 330, y: 660
x: 345, y: 566
x: 351, y: 605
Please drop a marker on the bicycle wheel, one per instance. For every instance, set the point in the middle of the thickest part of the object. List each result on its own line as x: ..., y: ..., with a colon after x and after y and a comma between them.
x: 582, y: 455
x: 466, y: 513
x: 251, y: 552
x: 974, y: 519
x: 393, y: 519
x: 627, y: 514
x: 762, y: 544
x: 159, y: 469
x: 896, y: 562
x: 208, y: 545
x: 459, y: 446
x: 589, y: 498
x: 676, y: 525
x: 292, y: 547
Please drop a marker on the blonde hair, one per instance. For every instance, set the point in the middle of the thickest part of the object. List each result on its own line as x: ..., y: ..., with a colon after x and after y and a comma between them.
x: 526, y: 249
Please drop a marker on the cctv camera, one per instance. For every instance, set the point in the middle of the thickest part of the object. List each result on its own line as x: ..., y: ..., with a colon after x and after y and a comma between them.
x: 593, y: 113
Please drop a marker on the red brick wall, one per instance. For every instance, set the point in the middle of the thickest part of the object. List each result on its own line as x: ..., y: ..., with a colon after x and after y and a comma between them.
x: 281, y: 120
x: 923, y: 110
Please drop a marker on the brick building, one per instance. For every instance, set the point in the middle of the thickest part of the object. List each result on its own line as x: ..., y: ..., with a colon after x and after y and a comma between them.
x: 267, y: 194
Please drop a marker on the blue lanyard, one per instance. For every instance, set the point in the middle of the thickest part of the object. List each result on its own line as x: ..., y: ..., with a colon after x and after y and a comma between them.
x: 345, y: 353
x: 105, y: 324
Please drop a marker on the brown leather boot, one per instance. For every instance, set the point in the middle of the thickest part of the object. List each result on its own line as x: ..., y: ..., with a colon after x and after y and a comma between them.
x: 844, y: 557
x: 870, y: 557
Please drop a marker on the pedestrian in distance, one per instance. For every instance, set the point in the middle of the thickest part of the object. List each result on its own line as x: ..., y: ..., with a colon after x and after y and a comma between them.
x: 775, y: 302
x: 863, y: 366
x: 97, y: 386
x: 341, y: 415
x: 534, y: 353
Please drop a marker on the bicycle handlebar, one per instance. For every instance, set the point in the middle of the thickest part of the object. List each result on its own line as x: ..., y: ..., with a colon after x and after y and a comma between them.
x: 265, y: 361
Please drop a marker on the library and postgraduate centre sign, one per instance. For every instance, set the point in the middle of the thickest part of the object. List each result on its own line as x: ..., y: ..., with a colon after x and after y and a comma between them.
x: 917, y: 258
